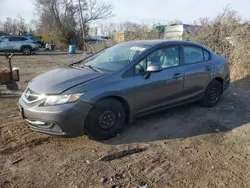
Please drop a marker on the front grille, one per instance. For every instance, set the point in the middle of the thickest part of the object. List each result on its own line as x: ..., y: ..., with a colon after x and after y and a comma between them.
x: 31, y: 95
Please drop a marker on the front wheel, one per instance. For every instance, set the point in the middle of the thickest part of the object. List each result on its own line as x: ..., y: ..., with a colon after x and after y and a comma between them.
x: 26, y: 50
x: 105, y: 120
x: 212, y: 94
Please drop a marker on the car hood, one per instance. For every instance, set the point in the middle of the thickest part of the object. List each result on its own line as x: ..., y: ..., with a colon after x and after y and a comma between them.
x: 59, y: 80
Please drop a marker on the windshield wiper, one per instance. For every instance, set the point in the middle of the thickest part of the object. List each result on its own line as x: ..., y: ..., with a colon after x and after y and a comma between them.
x: 88, y: 67
x: 93, y: 68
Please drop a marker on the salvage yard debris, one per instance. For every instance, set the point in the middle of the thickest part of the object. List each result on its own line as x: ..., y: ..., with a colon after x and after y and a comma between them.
x: 122, y: 153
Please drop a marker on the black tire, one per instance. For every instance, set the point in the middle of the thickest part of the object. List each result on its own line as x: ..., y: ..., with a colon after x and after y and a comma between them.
x: 26, y: 50
x: 212, y: 94
x: 105, y: 120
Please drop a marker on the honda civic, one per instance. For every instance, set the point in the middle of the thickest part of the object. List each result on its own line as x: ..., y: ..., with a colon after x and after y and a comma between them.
x: 104, y: 92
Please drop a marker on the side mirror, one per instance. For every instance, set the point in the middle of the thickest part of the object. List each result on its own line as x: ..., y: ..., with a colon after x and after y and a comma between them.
x: 154, y: 68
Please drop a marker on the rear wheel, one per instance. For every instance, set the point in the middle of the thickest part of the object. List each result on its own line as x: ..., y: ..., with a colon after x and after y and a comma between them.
x: 105, y: 120
x: 26, y: 50
x: 212, y: 94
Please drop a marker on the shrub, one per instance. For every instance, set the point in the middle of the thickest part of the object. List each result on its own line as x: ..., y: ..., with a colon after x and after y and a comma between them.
x: 229, y: 37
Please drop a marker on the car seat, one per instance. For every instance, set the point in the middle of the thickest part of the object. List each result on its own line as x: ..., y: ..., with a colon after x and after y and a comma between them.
x: 171, y: 58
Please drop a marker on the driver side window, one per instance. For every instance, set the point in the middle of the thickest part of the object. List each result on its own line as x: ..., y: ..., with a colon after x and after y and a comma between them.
x: 165, y: 57
x: 141, y: 67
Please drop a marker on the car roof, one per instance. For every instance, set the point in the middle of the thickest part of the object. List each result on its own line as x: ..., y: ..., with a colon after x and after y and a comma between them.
x: 161, y: 42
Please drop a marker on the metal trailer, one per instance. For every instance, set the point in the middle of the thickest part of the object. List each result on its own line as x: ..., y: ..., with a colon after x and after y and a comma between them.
x: 9, y: 76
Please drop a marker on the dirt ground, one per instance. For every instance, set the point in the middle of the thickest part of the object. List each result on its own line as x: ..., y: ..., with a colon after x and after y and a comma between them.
x: 188, y: 146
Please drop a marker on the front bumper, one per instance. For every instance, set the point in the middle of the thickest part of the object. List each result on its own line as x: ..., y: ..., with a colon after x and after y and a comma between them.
x: 35, y: 49
x: 59, y: 120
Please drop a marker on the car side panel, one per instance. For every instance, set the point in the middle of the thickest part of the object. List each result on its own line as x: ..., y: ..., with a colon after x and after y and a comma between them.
x: 16, y: 45
x: 107, y: 86
x: 159, y: 90
x: 197, y: 78
x: 6, y: 45
x: 1, y: 46
x: 221, y: 68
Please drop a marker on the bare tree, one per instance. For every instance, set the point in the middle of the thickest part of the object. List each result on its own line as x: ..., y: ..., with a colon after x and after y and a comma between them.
x: 21, y: 25
x: 70, y: 19
x: 58, y: 17
x: 108, y: 28
x: 10, y: 25
x: 14, y: 25
x: 92, y: 10
x: 229, y: 37
x: 34, y: 25
x: 1, y: 23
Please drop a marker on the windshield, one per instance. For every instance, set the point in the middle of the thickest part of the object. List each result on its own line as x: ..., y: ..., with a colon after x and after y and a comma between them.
x: 115, y: 58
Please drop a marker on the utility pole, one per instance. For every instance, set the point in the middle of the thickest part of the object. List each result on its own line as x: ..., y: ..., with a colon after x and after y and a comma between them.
x: 82, y: 20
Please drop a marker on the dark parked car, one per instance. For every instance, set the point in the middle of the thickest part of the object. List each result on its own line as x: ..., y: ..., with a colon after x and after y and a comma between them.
x: 38, y: 41
x: 91, y: 40
x: 108, y: 90
x: 105, y: 37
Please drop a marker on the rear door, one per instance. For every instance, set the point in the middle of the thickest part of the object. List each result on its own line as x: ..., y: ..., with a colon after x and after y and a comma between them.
x: 198, y: 70
x: 161, y: 88
x: 17, y: 42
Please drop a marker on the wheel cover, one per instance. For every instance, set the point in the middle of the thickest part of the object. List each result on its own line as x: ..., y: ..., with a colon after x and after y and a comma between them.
x: 213, y: 95
x: 26, y: 50
x: 107, y: 119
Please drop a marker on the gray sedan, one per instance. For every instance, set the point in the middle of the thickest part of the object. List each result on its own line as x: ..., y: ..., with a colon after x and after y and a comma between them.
x: 109, y: 89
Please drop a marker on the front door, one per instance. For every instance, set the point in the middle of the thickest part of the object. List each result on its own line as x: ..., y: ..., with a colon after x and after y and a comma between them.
x: 163, y: 87
x: 5, y: 44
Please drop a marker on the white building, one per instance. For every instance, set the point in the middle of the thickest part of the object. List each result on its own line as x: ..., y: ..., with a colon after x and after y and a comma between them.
x: 176, y: 31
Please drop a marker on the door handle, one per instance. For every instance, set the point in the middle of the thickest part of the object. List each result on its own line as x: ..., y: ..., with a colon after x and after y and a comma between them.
x: 177, y: 76
x: 208, y: 68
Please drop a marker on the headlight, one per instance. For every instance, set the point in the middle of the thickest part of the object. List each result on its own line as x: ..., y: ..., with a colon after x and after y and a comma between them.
x: 61, y: 99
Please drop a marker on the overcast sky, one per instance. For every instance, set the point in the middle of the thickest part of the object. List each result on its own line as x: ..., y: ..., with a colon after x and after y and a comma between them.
x: 138, y: 10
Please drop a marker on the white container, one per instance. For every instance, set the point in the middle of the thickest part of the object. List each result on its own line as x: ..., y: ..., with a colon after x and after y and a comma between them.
x: 15, y: 73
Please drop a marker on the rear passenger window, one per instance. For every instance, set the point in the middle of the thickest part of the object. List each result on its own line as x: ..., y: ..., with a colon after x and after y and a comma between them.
x: 192, y: 54
x: 23, y: 39
x: 14, y: 39
x: 18, y: 39
x: 206, y: 55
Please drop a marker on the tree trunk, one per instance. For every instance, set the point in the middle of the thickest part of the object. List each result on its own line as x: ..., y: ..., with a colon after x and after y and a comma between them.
x: 82, y: 20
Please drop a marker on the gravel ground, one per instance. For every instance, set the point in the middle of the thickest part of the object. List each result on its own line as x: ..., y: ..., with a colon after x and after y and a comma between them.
x: 188, y: 146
